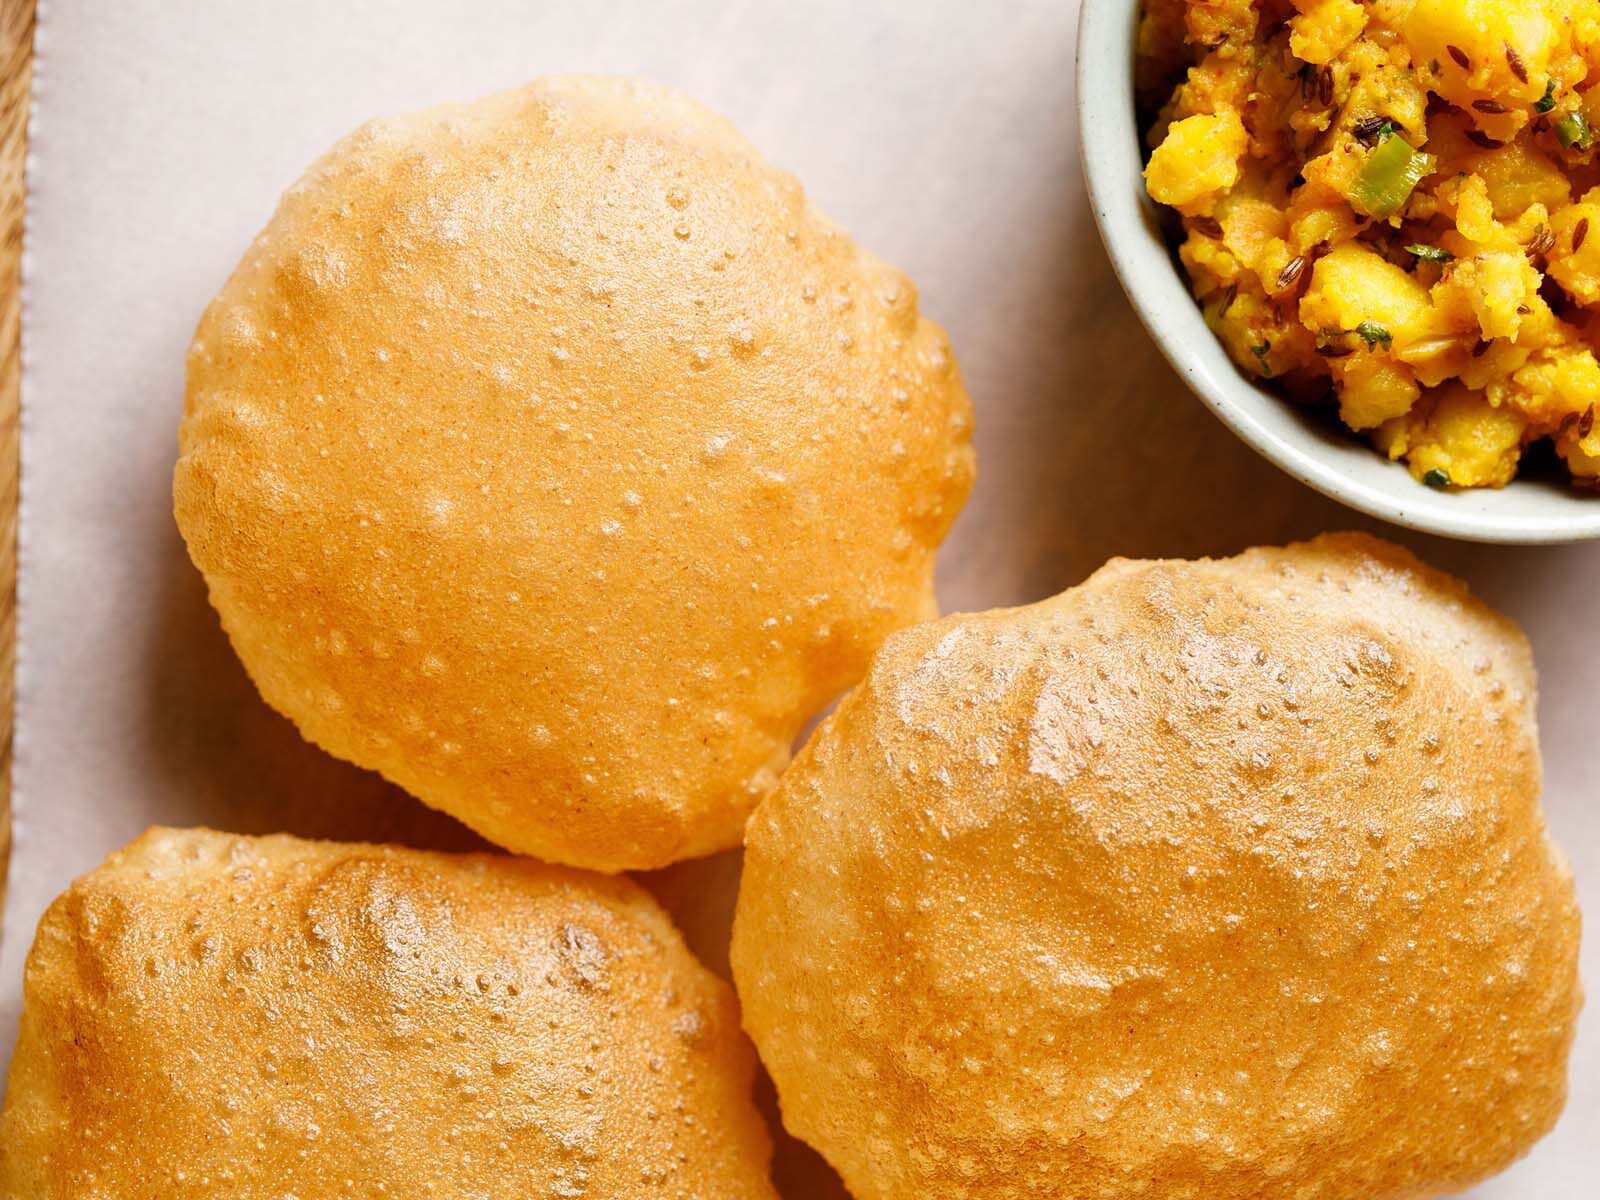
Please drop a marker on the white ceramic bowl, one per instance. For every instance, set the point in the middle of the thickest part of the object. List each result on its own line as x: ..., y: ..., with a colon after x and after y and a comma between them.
x: 1332, y: 460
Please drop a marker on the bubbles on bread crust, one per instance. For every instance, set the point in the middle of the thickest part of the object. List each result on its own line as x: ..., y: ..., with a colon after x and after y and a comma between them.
x: 554, y: 457
x: 1199, y: 879
x: 308, y: 1017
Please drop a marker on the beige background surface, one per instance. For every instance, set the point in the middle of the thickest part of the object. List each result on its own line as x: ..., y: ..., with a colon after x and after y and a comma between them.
x: 940, y: 133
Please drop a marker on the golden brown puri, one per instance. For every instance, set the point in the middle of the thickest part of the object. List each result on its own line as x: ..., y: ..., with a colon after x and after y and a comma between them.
x: 554, y: 457
x: 1218, y: 879
x: 258, y: 1018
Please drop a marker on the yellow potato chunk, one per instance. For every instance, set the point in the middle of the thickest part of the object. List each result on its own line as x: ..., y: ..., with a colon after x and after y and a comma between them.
x: 1325, y: 28
x: 1197, y: 161
x: 1475, y: 215
x: 1577, y: 380
x: 1518, y: 176
x: 1324, y: 224
x: 1558, y: 387
x: 1502, y: 288
x: 1352, y: 284
x: 1469, y: 39
x: 1576, y: 266
x: 1581, y: 452
x: 1253, y: 230
x: 1373, y: 389
x: 1474, y: 443
x: 1215, y: 21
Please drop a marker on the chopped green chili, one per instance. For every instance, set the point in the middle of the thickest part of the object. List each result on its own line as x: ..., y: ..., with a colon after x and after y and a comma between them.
x: 1573, y: 132
x: 1389, y: 176
x: 1436, y: 479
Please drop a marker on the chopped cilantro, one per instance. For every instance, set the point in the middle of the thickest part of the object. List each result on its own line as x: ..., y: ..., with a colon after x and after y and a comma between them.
x: 1433, y: 254
x: 1374, y: 334
x: 1548, y: 100
x: 1436, y: 479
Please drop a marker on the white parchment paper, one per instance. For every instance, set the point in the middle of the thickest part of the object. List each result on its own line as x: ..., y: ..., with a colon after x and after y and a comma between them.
x: 941, y: 133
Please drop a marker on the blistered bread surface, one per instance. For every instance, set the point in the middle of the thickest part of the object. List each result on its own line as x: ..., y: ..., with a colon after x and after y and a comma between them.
x: 1213, y: 880
x: 264, y: 1018
x: 553, y: 456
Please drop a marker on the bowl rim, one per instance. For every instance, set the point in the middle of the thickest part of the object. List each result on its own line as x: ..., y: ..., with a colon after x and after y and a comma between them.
x: 1109, y: 147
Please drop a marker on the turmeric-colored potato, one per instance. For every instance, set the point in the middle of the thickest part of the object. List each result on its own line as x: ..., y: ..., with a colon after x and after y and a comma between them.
x: 1197, y: 161
x: 1373, y: 389
x: 1576, y: 265
x: 1497, y: 50
x: 1467, y: 440
x: 1384, y: 195
x: 1352, y: 284
x: 1520, y: 175
x: 1324, y: 28
x: 1579, y: 445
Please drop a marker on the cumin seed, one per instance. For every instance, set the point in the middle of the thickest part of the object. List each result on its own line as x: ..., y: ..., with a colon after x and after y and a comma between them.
x: 1369, y: 130
x: 1514, y: 61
